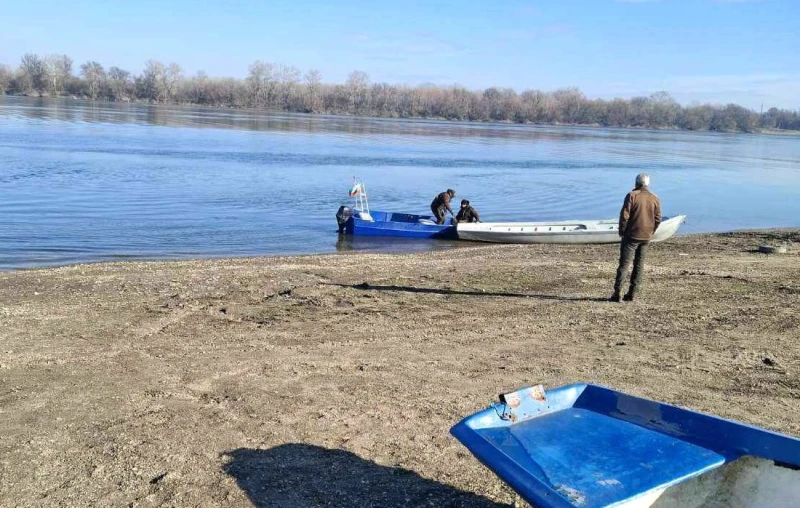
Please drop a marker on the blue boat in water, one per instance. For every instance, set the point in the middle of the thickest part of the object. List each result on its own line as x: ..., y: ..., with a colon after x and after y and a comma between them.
x: 375, y: 223
x: 588, y: 446
x: 359, y: 220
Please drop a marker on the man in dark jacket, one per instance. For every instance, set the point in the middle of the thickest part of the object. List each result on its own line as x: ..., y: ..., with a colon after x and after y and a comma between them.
x: 467, y: 213
x: 441, y: 204
x: 638, y: 221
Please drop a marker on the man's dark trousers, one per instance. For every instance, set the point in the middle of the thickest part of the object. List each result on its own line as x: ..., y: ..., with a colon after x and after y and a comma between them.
x: 439, y: 213
x: 636, y: 250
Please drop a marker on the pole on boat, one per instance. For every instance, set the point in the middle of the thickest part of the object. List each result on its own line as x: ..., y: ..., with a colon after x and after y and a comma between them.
x: 359, y: 191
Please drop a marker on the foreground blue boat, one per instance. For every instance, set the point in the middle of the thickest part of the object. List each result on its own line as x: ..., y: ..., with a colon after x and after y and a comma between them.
x: 588, y: 446
x: 375, y: 223
x: 360, y: 220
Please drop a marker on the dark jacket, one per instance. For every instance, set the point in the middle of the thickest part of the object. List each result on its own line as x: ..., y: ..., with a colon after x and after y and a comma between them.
x: 640, y: 215
x: 468, y: 214
x: 442, y: 200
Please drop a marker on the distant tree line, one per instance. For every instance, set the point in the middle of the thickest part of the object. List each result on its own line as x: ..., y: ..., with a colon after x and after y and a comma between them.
x: 284, y: 88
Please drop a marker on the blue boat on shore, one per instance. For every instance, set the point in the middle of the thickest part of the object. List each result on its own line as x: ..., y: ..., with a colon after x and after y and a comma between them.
x: 588, y: 446
x: 375, y: 223
x: 359, y: 220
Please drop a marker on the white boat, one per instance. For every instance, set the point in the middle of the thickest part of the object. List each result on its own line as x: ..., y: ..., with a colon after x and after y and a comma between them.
x: 573, y: 231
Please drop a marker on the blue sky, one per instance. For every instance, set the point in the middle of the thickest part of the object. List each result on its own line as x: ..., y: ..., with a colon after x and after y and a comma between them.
x: 743, y: 51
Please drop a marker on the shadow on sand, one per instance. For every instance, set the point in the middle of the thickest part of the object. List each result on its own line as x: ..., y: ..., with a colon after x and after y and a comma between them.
x: 365, y: 286
x: 296, y: 474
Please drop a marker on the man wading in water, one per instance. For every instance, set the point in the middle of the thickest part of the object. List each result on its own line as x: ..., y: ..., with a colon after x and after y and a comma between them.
x: 638, y: 221
x: 441, y: 204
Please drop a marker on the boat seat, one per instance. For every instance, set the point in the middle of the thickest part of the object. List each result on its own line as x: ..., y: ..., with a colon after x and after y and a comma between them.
x: 427, y: 221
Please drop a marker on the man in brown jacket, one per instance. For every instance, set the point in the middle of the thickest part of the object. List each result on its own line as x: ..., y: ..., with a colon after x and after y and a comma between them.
x: 638, y: 221
x: 441, y: 204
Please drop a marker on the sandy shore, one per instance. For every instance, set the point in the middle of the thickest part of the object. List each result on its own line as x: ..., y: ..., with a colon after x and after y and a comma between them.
x: 333, y: 380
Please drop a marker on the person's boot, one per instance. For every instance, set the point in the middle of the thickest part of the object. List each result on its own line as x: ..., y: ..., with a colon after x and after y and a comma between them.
x: 628, y: 297
x: 614, y: 298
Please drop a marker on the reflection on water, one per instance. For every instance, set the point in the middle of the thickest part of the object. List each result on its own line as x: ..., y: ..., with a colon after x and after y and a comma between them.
x: 86, y: 181
x: 84, y: 111
x: 349, y: 243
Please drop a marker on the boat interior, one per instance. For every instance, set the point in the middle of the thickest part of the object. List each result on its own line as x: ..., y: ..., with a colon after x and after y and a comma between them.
x: 407, y: 218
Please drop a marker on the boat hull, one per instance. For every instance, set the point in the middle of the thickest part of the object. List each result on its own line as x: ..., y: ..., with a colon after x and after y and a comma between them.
x: 569, y: 232
x: 590, y: 446
x: 401, y: 225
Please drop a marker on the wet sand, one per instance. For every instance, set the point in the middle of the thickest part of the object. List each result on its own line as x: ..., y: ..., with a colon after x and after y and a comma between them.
x: 333, y: 380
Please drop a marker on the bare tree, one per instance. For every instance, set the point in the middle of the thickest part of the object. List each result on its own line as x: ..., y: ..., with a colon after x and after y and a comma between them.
x: 532, y: 106
x: 458, y: 103
x: 51, y: 74
x: 120, y: 83
x: 260, y: 83
x: 313, y: 103
x: 64, y: 70
x: 663, y: 109
x: 34, y: 73
x: 696, y: 118
x: 640, y: 112
x: 287, y: 77
x: 170, y: 77
x: 152, y: 79
x: 5, y: 78
x: 617, y: 113
x: 198, y: 88
x: 569, y: 102
x: 356, y: 86
x: 95, y: 77
x: 59, y: 69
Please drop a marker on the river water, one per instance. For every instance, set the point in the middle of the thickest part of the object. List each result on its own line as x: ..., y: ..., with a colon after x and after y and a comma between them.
x: 83, y: 181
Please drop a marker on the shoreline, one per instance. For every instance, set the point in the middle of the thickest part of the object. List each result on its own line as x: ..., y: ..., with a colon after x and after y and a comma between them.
x: 242, y: 381
x: 456, y: 244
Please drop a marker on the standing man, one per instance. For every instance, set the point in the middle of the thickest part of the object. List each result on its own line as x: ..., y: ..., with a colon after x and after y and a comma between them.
x: 441, y: 204
x: 638, y: 220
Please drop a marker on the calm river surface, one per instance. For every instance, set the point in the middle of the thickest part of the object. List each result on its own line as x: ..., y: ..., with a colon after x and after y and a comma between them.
x: 82, y: 181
